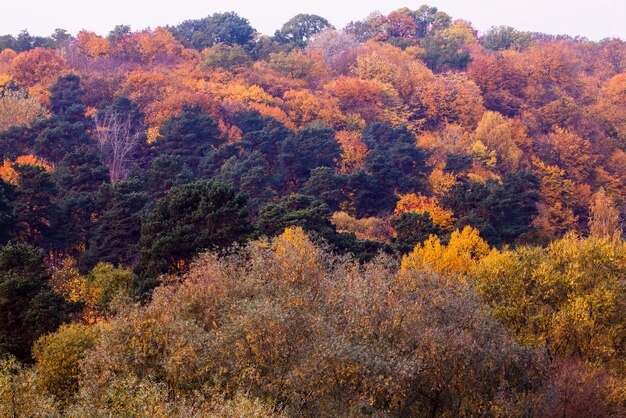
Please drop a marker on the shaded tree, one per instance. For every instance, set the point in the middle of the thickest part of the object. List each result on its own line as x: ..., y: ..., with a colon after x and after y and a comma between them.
x: 226, y: 28
x: 412, y: 229
x: 28, y: 306
x: 298, y: 30
x: 191, y: 218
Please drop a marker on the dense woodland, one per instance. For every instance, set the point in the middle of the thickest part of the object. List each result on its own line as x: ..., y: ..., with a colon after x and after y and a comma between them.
x: 403, y: 217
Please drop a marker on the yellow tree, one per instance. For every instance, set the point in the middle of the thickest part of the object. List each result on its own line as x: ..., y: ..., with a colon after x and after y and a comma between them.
x: 556, y: 215
x: 353, y: 151
x: 569, y: 297
x: 495, y: 132
x: 296, y: 256
x: 58, y: 358
x: 422, y: 204
x: 303, y: 107
x: 456, y: 259
x: 18, y: 109
x: 604, y: 221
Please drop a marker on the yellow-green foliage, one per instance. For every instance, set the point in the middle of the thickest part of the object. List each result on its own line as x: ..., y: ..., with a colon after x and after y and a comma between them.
x: 58, y: 357
x: 570, y: 297
x: 109, y: 282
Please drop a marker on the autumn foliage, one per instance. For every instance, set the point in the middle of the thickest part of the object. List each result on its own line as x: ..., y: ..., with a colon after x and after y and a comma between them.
x: 402, y: 217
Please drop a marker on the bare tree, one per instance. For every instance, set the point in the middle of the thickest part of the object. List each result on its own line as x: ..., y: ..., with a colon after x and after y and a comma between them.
x: 117, y: 140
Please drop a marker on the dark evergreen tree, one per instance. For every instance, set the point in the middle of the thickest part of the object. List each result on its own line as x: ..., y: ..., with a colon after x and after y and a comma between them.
x: 28, y: 306
x: 163, y: 174
x: 326, y: 186
x: 59, y: 138
x: 212, y: 162
x: 250, y: 174
x: 116, y: 231
x: 7, y: 218
x: 66, y: 96
x: 190, y: 135
x: 225, y: 28
x: 367, y: 197
x: 298, y: 30
x: 68, y: 128
x: 501, y: 211
x: 191, y: 218
x: 412, y: 229
x: 37, y: 215
x: 295, y: 210
x: 394, y: 159
x: 78, y: 177
x: 313, y: 146
x: 19, y: 140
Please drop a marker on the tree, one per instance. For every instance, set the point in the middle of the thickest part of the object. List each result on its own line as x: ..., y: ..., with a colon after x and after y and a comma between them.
x: 498, y: 134
x: 556, y: 215
x: 78, y: 177
x: 92, y: 45
x: 58, y: 357
x: 58, y: 138
x: 411, y: 203
x: 162, y: 175
x: 394, y: 159
x: 28, y: 307
x: 251, y: 174
x: 191, y: 218
x: 21, y: 395
x: 37, y: 215
x: 118, y: 32
x: 604, y: 222
x: 463, y: 252
x: 66, y: 98
x: 298, y: 30
x: 6, y: 210
x: 500, y: 211
x: 430, y: 20
x: 498, y: 38
x: 338, y: 49
x: 225, y: 57
x: 190, y: 135
x: 444, y: 50
x: 299, y: 210
x: 366, y: 196
x: 118, y: 138
x: 353, y: 152
x: 116, y: 232
x: 326, y: 186
x: 502, y: 80
x: 611, y: 105
x: 67, y: 130
x: 567, y: 298
x: 412, y: 229
x: 304, y: 107
x: 38, y: 66
x: 16, y: 108
x: 311, y: 147
x: 226, y: 28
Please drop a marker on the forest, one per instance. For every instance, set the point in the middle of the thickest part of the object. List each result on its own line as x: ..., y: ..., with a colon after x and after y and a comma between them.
x: 403, y: 217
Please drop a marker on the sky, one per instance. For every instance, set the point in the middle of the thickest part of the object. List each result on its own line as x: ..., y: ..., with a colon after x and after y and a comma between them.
x: 594, y: 19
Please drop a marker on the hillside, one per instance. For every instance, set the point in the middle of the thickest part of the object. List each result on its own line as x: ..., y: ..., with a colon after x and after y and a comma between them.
x: 402, y: 217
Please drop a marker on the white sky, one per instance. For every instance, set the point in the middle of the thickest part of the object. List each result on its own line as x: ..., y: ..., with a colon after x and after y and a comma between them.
x: 595, y: 19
